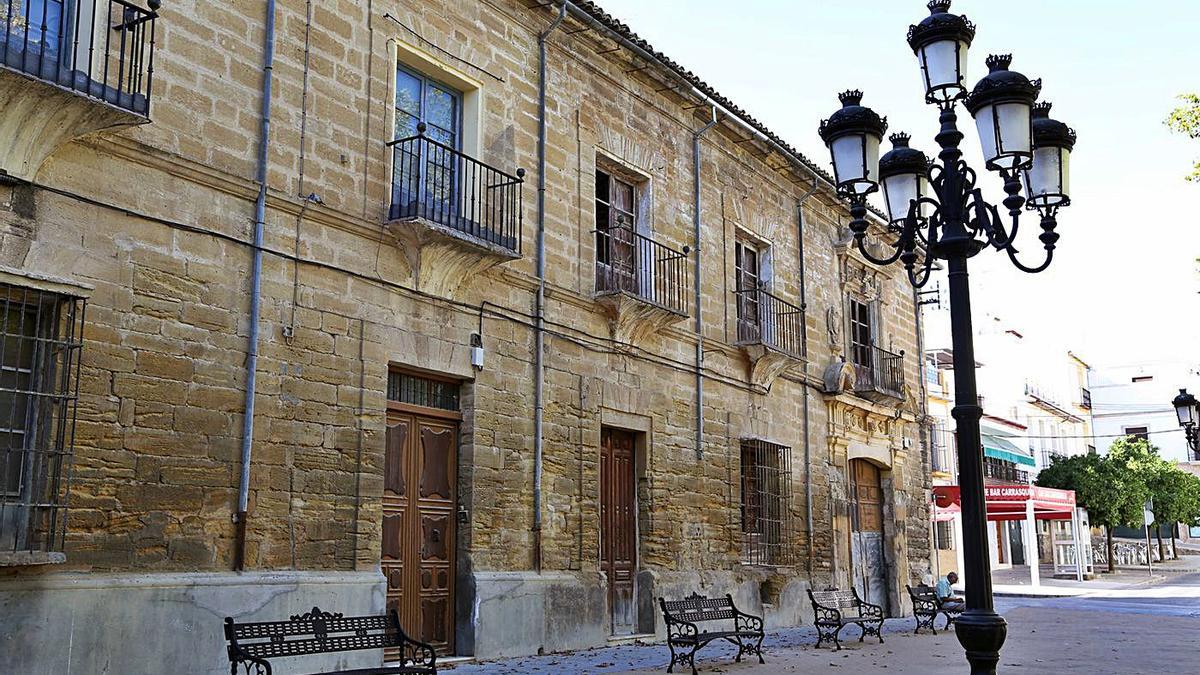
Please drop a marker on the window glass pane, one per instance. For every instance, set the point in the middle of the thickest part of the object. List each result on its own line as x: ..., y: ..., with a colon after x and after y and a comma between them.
x: 441, y: 107
x: 408, y: 93
x: 406, y: 124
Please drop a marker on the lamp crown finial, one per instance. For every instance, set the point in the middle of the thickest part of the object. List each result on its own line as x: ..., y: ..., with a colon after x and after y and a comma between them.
x: 899, y: 139
x: 851, y: 97
x: 938, y: 6
x: 999, y: 62
x: 1042, y: 109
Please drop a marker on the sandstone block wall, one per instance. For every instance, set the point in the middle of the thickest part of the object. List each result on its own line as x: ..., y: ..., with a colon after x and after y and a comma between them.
x: 158, y: 220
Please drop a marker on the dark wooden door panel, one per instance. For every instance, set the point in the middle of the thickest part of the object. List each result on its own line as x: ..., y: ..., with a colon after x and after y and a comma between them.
x: 419, y: 503
x: 866, y: 537
x: 618, y: 535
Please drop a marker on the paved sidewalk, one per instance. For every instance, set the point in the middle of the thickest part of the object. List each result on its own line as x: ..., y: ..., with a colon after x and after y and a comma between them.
x: 1065, y: 637
x: 1015, y: 580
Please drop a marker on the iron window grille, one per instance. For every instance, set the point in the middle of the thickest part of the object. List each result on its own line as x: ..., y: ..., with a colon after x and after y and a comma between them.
x: 40, y: 343
x: 423, y: 391
x: 767, y: 526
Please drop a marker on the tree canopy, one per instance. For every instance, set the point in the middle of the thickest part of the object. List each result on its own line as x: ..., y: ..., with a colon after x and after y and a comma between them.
x: 1114, y: 487
x: 1185, y: 119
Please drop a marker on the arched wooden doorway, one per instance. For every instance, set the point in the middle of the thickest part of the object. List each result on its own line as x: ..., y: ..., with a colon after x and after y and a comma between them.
x: 868, y: 565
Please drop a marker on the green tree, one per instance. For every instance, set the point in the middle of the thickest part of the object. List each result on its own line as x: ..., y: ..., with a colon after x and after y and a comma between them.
x: 1185, y: 119
x: 1111, y: 487
x: 1176, y: 495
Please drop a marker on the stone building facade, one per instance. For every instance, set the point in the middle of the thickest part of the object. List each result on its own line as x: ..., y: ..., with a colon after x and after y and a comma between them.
x: 396, y: 458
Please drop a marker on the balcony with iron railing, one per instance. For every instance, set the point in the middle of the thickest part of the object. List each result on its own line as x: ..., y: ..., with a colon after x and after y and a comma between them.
x: 86, y: 64
x: 642, y: 283
x: 771, y: 331
x: 1004, y: 471
x: 941, y: 453
x: 882, y: 372
x: 453, y: 215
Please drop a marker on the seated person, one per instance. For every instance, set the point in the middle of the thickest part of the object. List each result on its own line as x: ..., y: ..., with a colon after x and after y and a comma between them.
x: 946, y: 594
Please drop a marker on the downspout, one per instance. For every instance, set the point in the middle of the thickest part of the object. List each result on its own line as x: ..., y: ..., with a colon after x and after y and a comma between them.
x: 808, y: 513
x: 260, y: 215
x: 540, y: 334
x: 696, y: 248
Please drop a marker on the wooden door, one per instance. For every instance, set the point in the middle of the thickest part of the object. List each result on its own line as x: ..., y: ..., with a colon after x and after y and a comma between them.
x: 616, y: 243
x: 418, y: 525
x: 748, y: 283
x: 618, y: 526
x: 866, y: 538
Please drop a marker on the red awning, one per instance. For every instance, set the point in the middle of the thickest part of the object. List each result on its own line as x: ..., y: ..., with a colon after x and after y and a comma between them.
x: 1007, y: 502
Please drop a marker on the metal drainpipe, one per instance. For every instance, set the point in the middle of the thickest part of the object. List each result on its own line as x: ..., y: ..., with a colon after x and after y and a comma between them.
x: 260, y: 215
x: 699, y: 325
x: 539, y: 335
x: 808, y: 513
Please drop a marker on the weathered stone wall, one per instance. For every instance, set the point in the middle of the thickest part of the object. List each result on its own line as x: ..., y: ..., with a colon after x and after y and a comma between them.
x: 160, y: 412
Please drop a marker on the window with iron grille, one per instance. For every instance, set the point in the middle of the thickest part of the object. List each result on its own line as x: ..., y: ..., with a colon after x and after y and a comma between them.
x: 40, y: 342
x: 767, y: 528
x: 424, y: 391
x: 943, y: 535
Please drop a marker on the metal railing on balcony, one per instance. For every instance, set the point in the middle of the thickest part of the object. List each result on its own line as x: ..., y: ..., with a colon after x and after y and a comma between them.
x: 102, y: 49
x: 436, y: 182
x: 628, y: 262
x: 765, y: 319
x: 941, y: 450
x: 883, y: 372
x: 1005, y: 471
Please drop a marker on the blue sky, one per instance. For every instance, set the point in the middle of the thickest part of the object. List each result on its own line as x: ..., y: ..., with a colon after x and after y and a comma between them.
x: 1123, y: 287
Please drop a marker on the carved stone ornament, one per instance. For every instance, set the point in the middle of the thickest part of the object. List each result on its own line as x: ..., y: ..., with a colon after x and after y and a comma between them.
x: 833, y: 324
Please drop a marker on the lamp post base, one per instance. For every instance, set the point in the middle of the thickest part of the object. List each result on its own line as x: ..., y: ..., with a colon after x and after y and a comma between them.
x: 981, y: 632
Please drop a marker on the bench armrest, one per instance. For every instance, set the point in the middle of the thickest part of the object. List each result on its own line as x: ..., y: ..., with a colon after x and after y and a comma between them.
x: 925, y: 605
x: 867, y: 609
x: 417, y: 653
x: 824, y: 613
x: 250, y: 665
x: 744, y: 621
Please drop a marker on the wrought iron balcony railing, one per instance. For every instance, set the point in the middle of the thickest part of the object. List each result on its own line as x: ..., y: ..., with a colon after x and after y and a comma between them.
x: 102, y: 49
x: 433, y: 181
x: 765, y: 319
x: 1005, y: 471
x: 884, y: 373
x: 628, y: 262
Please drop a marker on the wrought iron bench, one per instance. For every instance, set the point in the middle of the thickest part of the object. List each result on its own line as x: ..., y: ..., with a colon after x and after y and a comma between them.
x: 251, y: 645
x: 684, y: 637
x: 927, y: 605
x: 836, y: 609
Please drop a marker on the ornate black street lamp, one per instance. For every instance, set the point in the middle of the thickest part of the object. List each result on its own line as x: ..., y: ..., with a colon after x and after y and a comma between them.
x: 1189, y: 417
x: 935, y: 211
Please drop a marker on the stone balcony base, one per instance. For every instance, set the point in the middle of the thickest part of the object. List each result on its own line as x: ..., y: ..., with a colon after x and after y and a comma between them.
x: 442, y: 258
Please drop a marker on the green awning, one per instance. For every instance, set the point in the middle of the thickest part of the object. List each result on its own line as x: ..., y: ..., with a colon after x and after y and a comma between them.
x: 998, y: 447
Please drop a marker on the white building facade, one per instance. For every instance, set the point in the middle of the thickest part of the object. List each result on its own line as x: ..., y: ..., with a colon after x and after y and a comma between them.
x: 1135, y: 400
